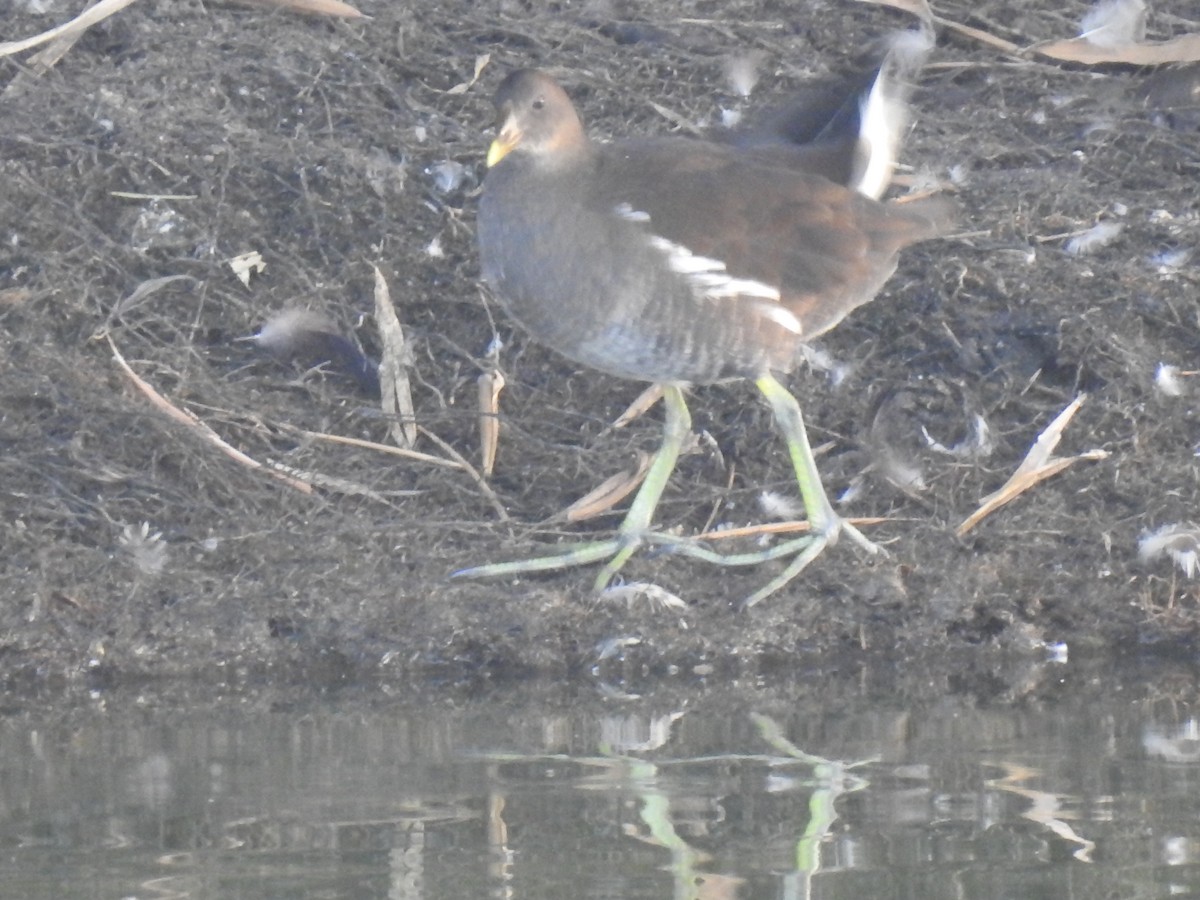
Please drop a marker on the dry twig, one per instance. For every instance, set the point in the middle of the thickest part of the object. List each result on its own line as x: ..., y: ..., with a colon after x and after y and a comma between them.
x: 480, y: 481
x: 62, y: 37
x: 190, y: 420
x: 796, y: 527
x: 72, y: 29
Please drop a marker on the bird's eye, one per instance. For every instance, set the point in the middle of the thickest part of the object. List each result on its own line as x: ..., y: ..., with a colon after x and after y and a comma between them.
x: 539, y: 103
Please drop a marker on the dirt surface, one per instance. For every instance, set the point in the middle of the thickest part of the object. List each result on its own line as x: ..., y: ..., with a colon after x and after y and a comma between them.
x: 133, y: 547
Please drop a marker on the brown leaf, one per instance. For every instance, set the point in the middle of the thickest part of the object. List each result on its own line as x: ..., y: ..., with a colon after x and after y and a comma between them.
x: 609, y: 493
x: 491, y: 383
x: 1185, y: 48
x: 393, y: 367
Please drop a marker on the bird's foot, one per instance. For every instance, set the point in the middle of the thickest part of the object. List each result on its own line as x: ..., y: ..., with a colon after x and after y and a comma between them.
x: 616, y: 550
x: 843, y: 526
x: 804, y: 550
x: 801, y: 551
x: 579, y: 555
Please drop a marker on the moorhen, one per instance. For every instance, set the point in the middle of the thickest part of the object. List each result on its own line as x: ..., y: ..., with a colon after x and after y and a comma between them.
x: 681, y: 262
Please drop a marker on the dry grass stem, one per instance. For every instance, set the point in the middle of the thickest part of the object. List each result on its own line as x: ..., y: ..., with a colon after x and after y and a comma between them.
x: 795, y: 527
x: 374, y: 445
x: 481, y: 62
x: 480, y: 481
x: 85, y: 20
x: 190, y: 420
x: 333, y: 8
x: 918, y: 8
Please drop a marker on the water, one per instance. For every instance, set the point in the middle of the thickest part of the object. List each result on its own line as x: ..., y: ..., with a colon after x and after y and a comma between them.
x: 1070, y: 786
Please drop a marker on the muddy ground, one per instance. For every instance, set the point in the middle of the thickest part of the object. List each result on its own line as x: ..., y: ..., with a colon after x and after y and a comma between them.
x: 132, y: 547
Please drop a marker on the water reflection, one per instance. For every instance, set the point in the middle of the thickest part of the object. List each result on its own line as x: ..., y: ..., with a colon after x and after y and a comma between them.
x: 771, y: 795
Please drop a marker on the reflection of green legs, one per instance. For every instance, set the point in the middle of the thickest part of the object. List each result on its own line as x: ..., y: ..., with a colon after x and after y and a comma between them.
x: 826, y: 525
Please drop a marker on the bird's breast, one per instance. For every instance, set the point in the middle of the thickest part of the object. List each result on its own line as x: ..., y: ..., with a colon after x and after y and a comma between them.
x: 595, y: 283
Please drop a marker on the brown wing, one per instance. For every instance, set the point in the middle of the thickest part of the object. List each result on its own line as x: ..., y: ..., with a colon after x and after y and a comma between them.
x: 827, y: 248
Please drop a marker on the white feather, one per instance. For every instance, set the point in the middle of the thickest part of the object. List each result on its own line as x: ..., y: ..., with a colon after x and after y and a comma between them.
x: 776, y: 506
x: 286, y: 328
x: 978, y: 444
x: 824, y: 361
x: 1179, y: 541
x: 878, y: 131
x: 1095, y: 238
x: 1166, y: 380
x: 741, y: 71
x: 1169, y: 262
x: 1114, y: 23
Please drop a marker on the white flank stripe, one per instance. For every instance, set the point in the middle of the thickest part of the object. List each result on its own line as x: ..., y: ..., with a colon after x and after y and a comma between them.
x: 710, y: 275
x: 782, y: 317
x: 710, y: 278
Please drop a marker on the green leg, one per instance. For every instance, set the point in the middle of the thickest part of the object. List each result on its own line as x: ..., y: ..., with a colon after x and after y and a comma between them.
x: 791, y: 421
x: 676, y: 428
x: 826, y: 524
x: 636, y: 525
